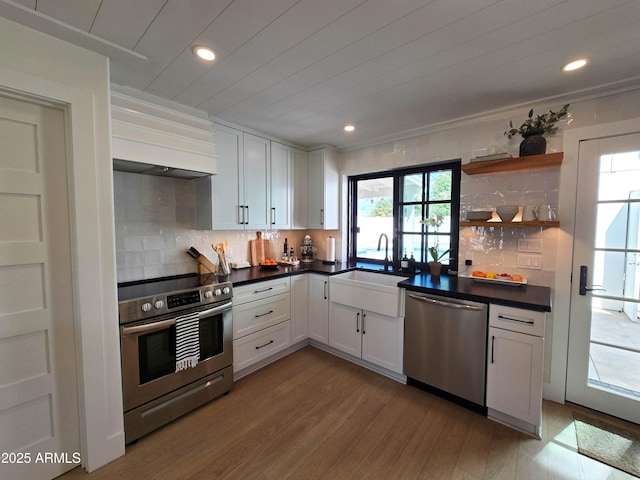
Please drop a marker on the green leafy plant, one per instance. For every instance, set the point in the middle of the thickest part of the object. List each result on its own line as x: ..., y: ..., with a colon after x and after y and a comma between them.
x: 538, y: 125
x: 434, y: 222
x: 433, y: 251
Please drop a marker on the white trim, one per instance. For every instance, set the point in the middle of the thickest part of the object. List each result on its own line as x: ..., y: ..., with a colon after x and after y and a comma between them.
x: 555, y: 390
x: 79, y: 79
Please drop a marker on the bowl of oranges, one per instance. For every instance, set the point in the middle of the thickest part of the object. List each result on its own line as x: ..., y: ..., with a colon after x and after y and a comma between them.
x: 269, y: 264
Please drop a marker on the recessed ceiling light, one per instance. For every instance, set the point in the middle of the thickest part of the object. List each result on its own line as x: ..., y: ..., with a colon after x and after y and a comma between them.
x: 205, y: 53
x: 575, y: 64
x: 349, y: 128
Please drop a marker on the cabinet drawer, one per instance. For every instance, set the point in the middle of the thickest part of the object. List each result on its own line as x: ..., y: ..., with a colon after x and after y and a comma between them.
x: 254, y: 316
x: 258, y: 346
x: 517, y: 320
x: 257, y: 291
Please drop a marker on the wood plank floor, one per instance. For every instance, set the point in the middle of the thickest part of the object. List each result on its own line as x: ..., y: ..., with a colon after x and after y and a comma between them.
x: 314, y: 415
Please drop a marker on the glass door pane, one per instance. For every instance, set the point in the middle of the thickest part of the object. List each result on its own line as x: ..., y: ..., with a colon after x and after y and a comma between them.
x: 614, y: 350
x: 374, y: 199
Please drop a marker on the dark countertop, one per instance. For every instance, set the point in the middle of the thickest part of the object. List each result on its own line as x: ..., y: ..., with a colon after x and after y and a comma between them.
x: 245, y: 276
x: 531, y: 297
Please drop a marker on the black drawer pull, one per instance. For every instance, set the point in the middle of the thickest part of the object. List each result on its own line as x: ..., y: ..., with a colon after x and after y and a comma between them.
x: 262, y: 346
x: 263, y: 314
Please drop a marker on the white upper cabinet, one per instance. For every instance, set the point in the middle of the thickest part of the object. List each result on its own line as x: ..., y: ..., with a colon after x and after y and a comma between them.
x: 257, y: 182
x: 239, y: 196
x: 219, y: 198
x: 323, y: 190
x: 281, y: 186
x: 299, y: 189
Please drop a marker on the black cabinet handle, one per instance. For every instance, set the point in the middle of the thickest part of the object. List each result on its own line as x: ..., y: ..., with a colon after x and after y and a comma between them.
x: 493, y: 341
x: 262, y: 346
x: 263, y: 314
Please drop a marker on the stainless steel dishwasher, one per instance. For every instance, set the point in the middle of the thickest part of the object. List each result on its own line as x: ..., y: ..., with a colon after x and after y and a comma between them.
x: 445, y: 344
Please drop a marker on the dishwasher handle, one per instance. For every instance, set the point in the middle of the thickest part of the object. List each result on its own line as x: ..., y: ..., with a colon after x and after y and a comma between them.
x: 440, y: 303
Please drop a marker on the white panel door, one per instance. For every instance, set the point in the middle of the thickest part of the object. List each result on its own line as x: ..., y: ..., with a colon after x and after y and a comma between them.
x: 38, y: 391
x: 603, y: 368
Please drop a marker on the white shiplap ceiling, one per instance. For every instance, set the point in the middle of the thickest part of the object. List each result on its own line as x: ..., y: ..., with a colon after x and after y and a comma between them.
x: 302, y: 69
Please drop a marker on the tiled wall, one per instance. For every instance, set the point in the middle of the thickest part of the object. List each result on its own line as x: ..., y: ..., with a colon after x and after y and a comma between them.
x: 496, y: 249
x: 155, y: 226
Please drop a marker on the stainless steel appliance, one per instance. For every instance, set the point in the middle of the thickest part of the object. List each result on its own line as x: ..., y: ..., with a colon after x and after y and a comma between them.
x: 307, y: 250
x: 154, y: 392
x: 445, y: 347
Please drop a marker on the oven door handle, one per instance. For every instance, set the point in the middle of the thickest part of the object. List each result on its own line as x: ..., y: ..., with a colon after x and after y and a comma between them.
x: 152, y: 327
x: 215, y: 310
x: 148, y: 327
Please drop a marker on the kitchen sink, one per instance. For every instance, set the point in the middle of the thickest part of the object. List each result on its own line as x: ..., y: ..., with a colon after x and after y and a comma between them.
x: 376, y: 292
x: 371, y: 278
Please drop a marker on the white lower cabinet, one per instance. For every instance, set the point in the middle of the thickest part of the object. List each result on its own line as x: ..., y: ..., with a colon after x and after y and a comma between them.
x: 371, y: 336
x: 258, y: 346
x: 514, y: 367
x: 318, y: 308
x: 261, y: 321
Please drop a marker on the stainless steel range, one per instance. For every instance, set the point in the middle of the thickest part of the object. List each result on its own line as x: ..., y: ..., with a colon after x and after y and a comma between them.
x: 156, y: 387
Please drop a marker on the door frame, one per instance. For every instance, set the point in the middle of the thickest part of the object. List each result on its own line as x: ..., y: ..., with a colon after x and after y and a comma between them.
x: 78, y: 80
x: 556, y: 389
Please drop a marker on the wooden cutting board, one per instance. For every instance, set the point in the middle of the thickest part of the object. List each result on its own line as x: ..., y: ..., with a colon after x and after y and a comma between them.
x: 260, y: 249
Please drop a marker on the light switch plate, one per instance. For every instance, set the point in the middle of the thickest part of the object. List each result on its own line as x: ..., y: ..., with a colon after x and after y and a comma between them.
x: 530, y: 245
x: 533, y: 262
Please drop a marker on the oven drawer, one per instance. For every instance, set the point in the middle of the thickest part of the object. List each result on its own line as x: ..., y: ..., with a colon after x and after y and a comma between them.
x: 260, y: 290
x: 258, y: 346
x: 254, y: 316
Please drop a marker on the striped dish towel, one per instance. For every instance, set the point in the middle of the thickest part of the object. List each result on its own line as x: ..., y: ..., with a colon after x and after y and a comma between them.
x: 187, y: 341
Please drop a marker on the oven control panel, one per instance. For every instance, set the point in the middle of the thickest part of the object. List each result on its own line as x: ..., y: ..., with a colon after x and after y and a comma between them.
x: 183, y: 299
x: 153, y: 306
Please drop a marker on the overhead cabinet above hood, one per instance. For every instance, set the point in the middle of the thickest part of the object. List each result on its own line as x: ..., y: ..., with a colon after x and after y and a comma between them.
x: 155, y: 140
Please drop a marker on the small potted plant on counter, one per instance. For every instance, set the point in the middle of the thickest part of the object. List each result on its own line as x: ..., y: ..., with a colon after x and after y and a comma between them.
x: 533, y: 129
x: 435, y: 267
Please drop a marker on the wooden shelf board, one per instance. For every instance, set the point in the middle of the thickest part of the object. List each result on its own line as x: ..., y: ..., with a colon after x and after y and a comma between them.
x: 534, y: 224
x: 514, y: 164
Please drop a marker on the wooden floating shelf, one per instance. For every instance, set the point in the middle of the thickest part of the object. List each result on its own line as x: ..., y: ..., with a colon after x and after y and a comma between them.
x: 514, y: 164
x: 534, y: 224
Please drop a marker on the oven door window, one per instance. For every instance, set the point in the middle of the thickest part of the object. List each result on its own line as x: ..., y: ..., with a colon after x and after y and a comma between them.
x: 157, y: 350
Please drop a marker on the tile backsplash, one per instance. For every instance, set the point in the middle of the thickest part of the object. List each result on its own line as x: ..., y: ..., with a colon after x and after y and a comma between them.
x: 155, y: 226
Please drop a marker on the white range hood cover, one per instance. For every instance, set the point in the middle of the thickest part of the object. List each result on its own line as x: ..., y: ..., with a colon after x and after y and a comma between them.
x: 154, y: 139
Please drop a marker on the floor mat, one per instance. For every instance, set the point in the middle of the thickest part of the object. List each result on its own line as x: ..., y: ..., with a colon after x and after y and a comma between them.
x: 608, y: 443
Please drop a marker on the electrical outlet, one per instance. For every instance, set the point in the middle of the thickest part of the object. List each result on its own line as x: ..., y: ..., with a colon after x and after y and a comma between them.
x: 468, y: 262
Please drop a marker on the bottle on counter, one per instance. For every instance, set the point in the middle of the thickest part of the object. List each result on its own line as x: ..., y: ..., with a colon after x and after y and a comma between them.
x: 412, y: 264
x: 404, y: 262
x: 286, y: 247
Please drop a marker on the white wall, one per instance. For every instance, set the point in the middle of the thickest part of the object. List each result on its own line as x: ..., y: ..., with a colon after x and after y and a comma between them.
x: 497, y: 248
x: 36, y: 64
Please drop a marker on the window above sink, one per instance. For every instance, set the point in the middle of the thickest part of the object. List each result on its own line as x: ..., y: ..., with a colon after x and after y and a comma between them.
x: 395, y: 203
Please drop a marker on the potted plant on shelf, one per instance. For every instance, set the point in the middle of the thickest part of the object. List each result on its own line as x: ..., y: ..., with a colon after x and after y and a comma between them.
x: 533, y: 129
x: 435, y: 267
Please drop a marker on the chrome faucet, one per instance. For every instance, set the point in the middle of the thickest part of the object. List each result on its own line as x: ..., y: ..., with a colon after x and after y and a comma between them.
x: 386, y: 249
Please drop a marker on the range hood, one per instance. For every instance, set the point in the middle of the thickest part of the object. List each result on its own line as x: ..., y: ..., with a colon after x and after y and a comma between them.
x: 158, y: 170
x: 152, y: 138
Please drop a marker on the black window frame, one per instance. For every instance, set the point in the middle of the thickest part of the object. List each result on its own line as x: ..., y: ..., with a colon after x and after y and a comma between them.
x: 397, y: 251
